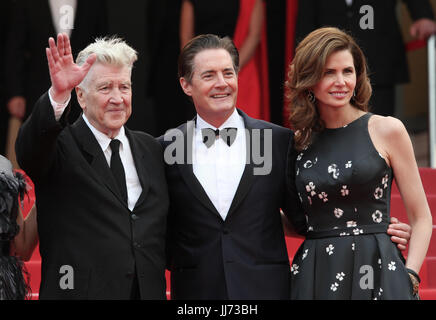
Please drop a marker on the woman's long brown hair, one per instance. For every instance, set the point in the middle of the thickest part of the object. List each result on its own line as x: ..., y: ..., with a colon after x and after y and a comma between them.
x: 307, y: 69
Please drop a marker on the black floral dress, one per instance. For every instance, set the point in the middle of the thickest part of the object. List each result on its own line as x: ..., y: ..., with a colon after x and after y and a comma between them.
x: 344, y: 186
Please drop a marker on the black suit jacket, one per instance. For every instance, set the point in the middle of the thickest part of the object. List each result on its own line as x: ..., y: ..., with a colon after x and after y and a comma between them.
x: 31, y: 25
x: 383, y: 46
x: 82, y: 220
x: 243, y: 257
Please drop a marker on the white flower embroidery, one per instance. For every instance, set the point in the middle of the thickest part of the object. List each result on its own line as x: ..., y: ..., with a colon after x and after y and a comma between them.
x: 351, y: 224
x: 377, y: 216
x: 342, y: 234
x: 391, y: 266
x: 310, y: 228
x: 334, y: 170
x: 299, y: 196
x: 345, y: 191
x: 294, y: 269
x: 353, y: 246
x: 378, y: 193
x: 385, y: 181
x: 348, y: 164
x: 298, y: 171
x: 305, y: 254
x: 300, y: 156
x: 338, y: 212
x: 308, y: 164
x: 334, y: 286
x: 330, y: 249
x: 340, y: 276
x: 323, y: 196
x: 311, y: 188
x: 357, y: 231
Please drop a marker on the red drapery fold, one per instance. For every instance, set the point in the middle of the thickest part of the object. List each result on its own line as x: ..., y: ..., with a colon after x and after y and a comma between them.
x: 253, y: 95
x: 291, y: 16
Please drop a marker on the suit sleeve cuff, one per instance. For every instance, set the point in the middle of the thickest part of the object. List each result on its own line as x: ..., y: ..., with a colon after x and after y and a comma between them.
x: 58, y: 108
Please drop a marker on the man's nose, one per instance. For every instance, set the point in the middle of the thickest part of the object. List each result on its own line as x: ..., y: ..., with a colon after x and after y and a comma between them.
x: 116, y: 97
x: 221, y: 81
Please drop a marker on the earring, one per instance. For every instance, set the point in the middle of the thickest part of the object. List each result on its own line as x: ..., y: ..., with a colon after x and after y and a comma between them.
x: 311, y: 97
x: 354, y: 95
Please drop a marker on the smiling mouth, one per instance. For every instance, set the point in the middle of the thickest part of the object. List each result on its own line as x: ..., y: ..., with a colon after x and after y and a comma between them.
x: 339, y: 94
x: 219, y: 96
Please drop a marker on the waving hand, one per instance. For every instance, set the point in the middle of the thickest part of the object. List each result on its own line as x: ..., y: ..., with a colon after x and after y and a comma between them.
x: 64, y: 73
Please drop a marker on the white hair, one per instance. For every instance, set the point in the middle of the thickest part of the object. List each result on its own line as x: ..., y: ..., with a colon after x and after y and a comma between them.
x: 109, y: 50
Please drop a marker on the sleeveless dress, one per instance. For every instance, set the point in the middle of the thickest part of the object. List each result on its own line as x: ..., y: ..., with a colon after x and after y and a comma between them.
x: 344, y: 186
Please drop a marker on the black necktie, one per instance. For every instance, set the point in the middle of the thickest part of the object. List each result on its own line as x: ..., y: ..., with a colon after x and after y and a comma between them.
x: 227, y: 134
x: 118, y: 169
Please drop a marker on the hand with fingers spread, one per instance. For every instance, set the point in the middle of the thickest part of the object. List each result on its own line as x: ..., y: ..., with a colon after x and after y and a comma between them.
x: 64, y: 73
x: 400, y: 233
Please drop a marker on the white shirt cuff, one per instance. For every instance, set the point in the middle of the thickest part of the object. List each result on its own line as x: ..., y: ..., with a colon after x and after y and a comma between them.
x: 58, y: 108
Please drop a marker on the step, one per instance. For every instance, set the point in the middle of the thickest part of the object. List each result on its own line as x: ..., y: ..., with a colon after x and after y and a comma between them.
x: 427, y: 294
x: 428, y: 178
x: 430, y: 265
x: 398, y: 209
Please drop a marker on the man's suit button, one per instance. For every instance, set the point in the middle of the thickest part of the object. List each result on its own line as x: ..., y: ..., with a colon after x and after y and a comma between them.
x: 225, y: 231
x: 134, y: 216
x: 136, y: 245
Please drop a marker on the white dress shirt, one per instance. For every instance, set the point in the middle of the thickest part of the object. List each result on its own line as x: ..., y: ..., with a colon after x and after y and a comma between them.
x: 219, y: 168
x: 134, y: 187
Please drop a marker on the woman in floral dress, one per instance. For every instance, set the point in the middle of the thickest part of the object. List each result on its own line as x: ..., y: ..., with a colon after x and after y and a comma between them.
x: 346, y: 160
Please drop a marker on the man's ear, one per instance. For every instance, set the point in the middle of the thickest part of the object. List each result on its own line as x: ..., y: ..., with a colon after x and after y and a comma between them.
x: 186, y: 86
x: 80, y: 92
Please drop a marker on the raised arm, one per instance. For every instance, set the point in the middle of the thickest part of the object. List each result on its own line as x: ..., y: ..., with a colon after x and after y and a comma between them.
x: 36, y: 141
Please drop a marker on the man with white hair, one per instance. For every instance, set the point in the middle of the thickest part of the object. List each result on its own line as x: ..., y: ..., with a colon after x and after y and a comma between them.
x: 101, y: 192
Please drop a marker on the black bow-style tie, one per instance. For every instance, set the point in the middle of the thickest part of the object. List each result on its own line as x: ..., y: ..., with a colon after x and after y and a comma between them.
x: 227, y: 134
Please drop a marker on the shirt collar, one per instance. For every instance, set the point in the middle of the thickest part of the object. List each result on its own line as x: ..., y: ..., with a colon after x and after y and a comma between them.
x: 102, y: 139
x: 234, y: 121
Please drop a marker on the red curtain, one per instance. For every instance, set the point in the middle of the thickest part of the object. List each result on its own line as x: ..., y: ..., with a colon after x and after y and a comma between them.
x: 253, y: 95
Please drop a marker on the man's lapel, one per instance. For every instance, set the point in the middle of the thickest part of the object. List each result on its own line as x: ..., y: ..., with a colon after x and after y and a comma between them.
x: 91, y: 150
x: 247, y: 178
x: 187, y: 172
x: 139, y: 159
